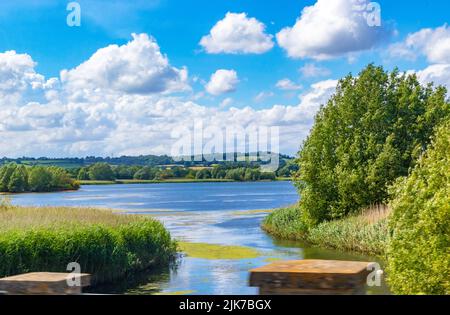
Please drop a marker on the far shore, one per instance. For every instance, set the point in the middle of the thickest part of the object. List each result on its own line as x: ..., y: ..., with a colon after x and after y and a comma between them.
x: 169, y: 181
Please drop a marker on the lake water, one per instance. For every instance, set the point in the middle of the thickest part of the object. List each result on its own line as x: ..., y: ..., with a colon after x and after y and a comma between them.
x: 215, y: 213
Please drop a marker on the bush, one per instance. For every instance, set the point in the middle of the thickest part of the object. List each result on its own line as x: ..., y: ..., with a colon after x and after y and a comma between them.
x: 19, y: 178
x: 106, y: 245
x: 101, y: 171
x: 371, y: 132
x: 418, y: 251
x: 286, y: 223
x: 365, y: 233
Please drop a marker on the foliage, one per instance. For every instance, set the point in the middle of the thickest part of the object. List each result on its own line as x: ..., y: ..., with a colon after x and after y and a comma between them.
x: 366, y: 233
x: 418, y: 251
x: 145, y: 173
x: 288, y: 170
x: 105, y: 244
x: 19, y: 178
x: 104, y: 172
x: 101, y: 171
x: 371, y: 132
x: 286, y: 223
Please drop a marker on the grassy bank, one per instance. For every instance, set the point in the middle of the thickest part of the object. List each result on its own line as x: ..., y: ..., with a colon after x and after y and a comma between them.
x: 105, y: 244
x: 365, y: 233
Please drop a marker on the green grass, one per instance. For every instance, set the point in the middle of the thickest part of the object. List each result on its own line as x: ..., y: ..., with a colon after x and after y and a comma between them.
x: 107, y: 245
x: 365, y: 233
x: 286, y: 223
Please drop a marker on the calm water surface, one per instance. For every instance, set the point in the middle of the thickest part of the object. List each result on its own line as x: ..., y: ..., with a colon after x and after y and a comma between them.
x: 216, y: 213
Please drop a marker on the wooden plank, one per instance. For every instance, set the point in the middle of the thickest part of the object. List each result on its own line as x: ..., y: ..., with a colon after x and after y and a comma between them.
x: 310, y: 275
x: 43, y: 283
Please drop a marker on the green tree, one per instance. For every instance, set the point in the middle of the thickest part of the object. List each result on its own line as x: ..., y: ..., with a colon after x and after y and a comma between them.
x: 203, y: 174
x: 125, y: 171
x: 268, y: 176
x: 369, y: 133
x: 146, y: 173
x: 39, y: 179
x: 6, y: 172
x: 18, y: 182
x: 101, y: 171
x: 61, y: 179
x: 83, y: 174
x: 418, y: 250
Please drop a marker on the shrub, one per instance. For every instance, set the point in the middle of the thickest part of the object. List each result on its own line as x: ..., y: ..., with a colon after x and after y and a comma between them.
x: 19, y: 178
x: 366, y: 232
x: 418, y: 251
x: 371, y: 132
x: 286, y: 223
x: 101, y: 171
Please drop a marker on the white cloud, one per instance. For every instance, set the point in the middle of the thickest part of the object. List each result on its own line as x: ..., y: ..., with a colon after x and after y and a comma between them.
x: 287, y: 85
x: 439, y: 74
x: 17, y: 72
x: 262, y: 96
x: 330, y: 28
x: 106, y: 121
x: 226, y: 102
x: 19, y: 80
x: 434, y: 44
x: 222, y: 81
x: 310, y: 70
x: 137, y: 67
x: 237, y: 33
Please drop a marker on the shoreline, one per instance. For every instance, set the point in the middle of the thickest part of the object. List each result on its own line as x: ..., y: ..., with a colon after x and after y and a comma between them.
x: 173, y: 181
x: 366, y: 233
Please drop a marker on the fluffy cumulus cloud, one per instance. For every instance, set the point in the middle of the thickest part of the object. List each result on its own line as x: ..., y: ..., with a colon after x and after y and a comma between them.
x: 434, y: 44
x: 222, y: 81
x: 237, y: 33
x: 332, y: 28
x: 138, y: 67
x: 288, y: 85
x: 53, y: 118
x: 439, y: 74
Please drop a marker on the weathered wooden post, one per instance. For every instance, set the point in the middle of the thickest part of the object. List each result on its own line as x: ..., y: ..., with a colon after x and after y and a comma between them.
x: 44, y: 283
x: 311, y: 277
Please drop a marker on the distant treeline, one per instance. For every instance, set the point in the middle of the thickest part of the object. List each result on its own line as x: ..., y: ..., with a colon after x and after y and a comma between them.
x: 16, y: 178
x: 144, y: 160
x: 237, y: 172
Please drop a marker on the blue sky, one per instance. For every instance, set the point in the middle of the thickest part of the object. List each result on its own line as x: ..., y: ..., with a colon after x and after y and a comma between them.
x: 38, y: 29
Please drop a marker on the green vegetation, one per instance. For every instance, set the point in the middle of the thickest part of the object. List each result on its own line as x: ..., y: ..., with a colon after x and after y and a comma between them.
x: 19, y: 178
x: 107, y: 245
x: 212, y: 251
x: 418, y: 251
x: 146, y: 160
x: 374, y: 132
x: 371, y: 132
x: 366, y: 233
x: 102, y: 172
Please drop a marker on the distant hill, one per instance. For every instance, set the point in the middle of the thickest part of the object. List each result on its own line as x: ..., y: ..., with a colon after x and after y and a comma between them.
x: 146, y: 160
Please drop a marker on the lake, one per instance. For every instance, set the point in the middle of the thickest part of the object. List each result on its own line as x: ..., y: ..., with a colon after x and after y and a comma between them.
x: 214, y: 213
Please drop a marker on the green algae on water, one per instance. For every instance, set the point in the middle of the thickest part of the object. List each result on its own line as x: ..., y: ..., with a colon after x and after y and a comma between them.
x: 213, y: 251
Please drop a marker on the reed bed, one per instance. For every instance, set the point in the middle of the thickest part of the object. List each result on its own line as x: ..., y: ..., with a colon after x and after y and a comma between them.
x: 366, y: 232
x: 106, y: 244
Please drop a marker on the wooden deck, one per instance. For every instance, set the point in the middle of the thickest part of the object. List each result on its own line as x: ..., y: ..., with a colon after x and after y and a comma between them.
x: 43, y: 283
x: 311, y: 277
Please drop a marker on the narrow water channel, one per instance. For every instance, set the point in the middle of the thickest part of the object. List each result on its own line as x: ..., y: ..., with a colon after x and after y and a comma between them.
x: 207, y: 213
